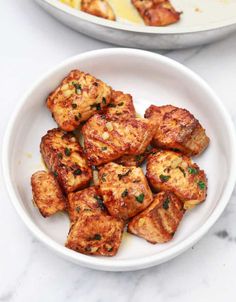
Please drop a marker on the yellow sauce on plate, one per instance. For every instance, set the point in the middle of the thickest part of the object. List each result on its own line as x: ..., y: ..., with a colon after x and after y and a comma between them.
x: 123, y: 9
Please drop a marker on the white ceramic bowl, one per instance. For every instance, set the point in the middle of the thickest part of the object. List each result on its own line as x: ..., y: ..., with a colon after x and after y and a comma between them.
x: 151, y: 79
x: 202, y: 22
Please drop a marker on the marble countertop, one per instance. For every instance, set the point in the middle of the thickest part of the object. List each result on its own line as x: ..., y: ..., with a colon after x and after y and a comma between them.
x: 31, y: 43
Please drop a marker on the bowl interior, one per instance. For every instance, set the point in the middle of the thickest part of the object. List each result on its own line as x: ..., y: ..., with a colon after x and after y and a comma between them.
x: 150, y: 79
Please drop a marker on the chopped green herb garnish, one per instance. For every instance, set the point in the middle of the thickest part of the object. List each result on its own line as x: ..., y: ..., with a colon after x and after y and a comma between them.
x: 182, y: 170
x: 140, y: 198
x: 164, y: 178
x: 109, y: 249
x: 97, y: 237
x: 104, y: 177
x: 139, y: 157
x: 104, y: 101
x: 124, y: 193
x: 201, y: 185
x: 77, y: 209
x: 100, y: 202
x: 77, y: 172
x: 104, y: 148
x: 55, y: 173
x: 78, y: 87
x: 192, y: 170
x: 79, y: 115
x: 121, y: 104
x: 74, y: 105
x: 165, y: 204
x: 67, y: 152
x: 120, y: 176
x: 112, y: 105
x: 94, y: 168
x: 149, y: 148
x: 59, y: 155
x: 96, y: 106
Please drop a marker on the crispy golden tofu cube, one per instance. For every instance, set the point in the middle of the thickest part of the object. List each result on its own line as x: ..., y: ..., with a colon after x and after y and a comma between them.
x: 47, y: 194
x: 85, y: 200
x: 99, y: 8
x: 172, y: 171
x: 79, y: 96
x: 95, y: 234
x: 177, y: 129
x: 125, y: 191
x: 156, y: 12
x: 120, y: 107
x: 159, y: 222
x: 64, y: 156
x: 106, y: 140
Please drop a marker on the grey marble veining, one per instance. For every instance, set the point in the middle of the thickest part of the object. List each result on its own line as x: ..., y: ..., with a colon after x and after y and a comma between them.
x: 30, y: 45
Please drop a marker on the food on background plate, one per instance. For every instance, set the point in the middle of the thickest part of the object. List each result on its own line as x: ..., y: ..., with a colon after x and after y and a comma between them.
x: 151, y: 12
x: 47, y: 194
x: 64, y: 156
x: 159, y: 222
x: 115, y: 143
x: 125, y: 190
x: 106, y: 140
x: 77, y: 98
x: 177, y: 129
x: 99, y: 8
x: 175, y: 172
x: 157, y: 12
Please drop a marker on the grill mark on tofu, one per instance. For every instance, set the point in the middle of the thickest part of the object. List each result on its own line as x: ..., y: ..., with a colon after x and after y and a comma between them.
x: 168, y: 170
x: 177, y: 129
x: 47, y: 194
x: 125, y: 190
x: 104, y: 144
x: 95, y: 234
x: 159, y: 222
x: 157, y: 12
x: 64, y: 156
x: 78, y: 97
x: 99, y: 8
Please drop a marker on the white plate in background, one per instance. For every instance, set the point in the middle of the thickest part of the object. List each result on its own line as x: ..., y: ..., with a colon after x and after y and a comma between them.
x: 202, y: 21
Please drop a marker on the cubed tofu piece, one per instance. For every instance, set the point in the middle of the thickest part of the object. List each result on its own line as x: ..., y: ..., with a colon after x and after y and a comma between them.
x: 159, y: 222
x: 120, y: 107
x: 172, y: 171
x: 95, y: 234
x: 177, y: 129
x: 85, y: 200
x: 99, y: 8
x: 79, y: 96
x: 156, y: 12
x: 64, y: 156
x: 106, y: 140
x: 47, y: 194
x: 125, y: 191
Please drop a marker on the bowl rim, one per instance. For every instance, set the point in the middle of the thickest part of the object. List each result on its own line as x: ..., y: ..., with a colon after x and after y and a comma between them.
x: 166, y: 30
x: 120, y: 264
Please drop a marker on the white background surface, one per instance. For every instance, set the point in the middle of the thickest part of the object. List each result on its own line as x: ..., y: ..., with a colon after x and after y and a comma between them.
x: 31, y: 43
